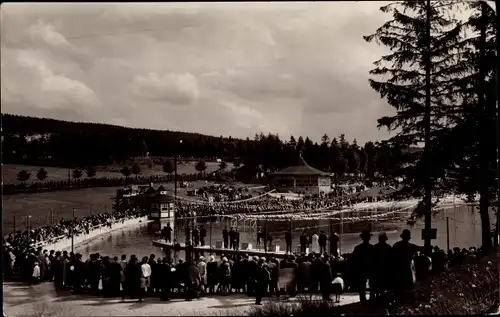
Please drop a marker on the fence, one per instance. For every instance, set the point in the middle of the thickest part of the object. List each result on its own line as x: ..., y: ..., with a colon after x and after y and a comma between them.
x: 11, y: 189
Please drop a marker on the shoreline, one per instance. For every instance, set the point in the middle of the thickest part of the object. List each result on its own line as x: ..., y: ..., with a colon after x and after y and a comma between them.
x: 82, y: 239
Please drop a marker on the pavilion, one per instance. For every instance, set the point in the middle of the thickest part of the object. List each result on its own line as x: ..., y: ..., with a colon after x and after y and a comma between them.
x: 301, y: 178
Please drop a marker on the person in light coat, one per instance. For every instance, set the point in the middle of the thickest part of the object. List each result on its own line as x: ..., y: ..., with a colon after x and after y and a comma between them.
x: 36, y: 273
x: 315, y: 243
x: 337, y: 287
x: 202, y: 267
x: 145, y: 275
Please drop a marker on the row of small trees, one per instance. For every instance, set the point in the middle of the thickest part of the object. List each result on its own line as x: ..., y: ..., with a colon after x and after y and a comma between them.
x: 42, y: 174
x: 168, y: 167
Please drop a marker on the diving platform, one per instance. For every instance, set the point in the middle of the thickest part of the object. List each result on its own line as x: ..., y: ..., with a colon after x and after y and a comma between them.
x: 246, y: 249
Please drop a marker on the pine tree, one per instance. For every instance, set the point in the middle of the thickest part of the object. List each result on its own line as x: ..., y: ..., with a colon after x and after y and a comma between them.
x: 467, y: 151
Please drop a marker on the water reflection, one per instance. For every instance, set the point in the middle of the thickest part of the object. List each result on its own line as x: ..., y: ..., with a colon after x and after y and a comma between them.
x: 464, y: 231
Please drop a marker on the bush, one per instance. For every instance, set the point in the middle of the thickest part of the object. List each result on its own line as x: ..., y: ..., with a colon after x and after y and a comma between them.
x: 470, y: 288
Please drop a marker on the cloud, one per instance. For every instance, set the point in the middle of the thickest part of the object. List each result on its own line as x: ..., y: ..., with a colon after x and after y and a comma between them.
x: 291, y: 68
x: 176, y: 89
x: 47, y: 90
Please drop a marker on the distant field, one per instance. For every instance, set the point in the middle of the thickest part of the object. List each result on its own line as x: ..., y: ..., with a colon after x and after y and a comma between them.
x: 9, y: 171
x: 85, y: 201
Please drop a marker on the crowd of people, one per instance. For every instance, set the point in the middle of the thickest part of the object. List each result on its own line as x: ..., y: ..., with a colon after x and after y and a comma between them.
x: 65, y: 228
x: 385, y: 269
x: 268, y: 204
x: 223, y: 193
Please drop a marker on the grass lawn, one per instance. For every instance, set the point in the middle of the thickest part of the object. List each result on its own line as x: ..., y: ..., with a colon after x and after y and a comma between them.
x: 85, y: 201
x: 9, y: 171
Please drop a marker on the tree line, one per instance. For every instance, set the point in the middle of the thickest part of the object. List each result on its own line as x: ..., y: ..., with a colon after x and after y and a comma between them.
x: 48, y: 142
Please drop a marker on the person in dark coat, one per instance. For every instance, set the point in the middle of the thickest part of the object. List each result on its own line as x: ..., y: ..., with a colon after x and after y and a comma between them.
x: 260, y: 237
x: 79, y: 274
x: 304, y: 241
x: 237, y: 239
x: 203, y: 235
x: 232, y: 239
x: 165, y: 277
x: 274, y: 273
x: 268, y: 241
x: 131, y: 283
x: 315, y: 275
x: 115, y: 277
x: 288, y: 241
x: 403, y: 252
x: 212, y: 269
x: 304, y: 275
x: 94, y: 273
x: 262, y: 282
x: 153, y: 278
x: 196, y: 236
x: 192, y: 280
x: 57, y: 268
x: 325, y: 273
x: 106, y: 276
x: 291, y: 264
x: 382, y: 267
x: 361, y: 261
x: 225, y: 237
x: 168, y: 233
x: 253, y: 271
x: 334, y: 244
x: 322, y: 240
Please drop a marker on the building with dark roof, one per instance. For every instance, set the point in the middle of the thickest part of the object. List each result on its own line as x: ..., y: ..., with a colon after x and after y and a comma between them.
x: 301, y: 178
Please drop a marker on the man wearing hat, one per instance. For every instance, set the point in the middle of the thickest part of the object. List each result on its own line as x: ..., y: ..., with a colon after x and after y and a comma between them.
x: 361, y: 259
x: 382, y: 264
x: 262, y: 282
x: 403, y: 252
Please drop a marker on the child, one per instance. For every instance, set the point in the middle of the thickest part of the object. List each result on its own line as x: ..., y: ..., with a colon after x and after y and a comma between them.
x: 36, y: 274
x: 337, y: 287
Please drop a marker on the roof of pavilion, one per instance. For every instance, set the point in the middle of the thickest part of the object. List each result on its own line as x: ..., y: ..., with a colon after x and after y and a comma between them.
x: 302, y: 168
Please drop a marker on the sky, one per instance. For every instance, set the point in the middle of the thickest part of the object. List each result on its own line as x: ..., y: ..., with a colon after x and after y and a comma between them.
x: 232, y: 69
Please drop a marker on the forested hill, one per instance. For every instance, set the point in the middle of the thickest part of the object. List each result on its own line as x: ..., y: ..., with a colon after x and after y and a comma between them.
x: 96, y: 143
x: 41, y: 141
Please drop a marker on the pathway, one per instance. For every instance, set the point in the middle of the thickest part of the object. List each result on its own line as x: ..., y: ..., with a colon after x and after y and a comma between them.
x: 43, y: 300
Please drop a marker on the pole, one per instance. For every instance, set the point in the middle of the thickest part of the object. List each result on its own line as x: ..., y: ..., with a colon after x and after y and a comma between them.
x: 14, y: 225
x: 448, y: 233
x: 341, y: 232
x: 427, y: 129
x: 329, y: 235
x: 497, y: 8
x: 51, y: 216
x: 28, y: 228
x: 73, y: 232
x: 210, y: 236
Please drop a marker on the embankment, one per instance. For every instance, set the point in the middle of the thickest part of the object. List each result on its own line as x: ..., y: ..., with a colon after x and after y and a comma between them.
x: 65, y: 243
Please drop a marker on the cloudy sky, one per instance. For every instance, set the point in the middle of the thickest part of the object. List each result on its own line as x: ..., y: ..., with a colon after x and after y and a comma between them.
x: 214, y: 68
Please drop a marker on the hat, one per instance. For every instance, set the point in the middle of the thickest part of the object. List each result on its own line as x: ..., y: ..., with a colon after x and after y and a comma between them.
x: 202, y: 258
x: 212, y: 258
x: 224, y: 259
x: 365, y: 234
x: 382, y: 236
x: 406, y: 234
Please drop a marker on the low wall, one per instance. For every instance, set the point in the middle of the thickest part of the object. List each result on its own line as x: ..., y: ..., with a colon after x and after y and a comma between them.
x: 65, y: 243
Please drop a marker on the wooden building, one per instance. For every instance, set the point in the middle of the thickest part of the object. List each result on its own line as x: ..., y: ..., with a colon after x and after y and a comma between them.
x: 302, y: 179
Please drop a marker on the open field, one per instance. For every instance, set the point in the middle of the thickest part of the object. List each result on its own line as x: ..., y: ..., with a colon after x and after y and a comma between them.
x: 9, y: 171
x: 61, y: 203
